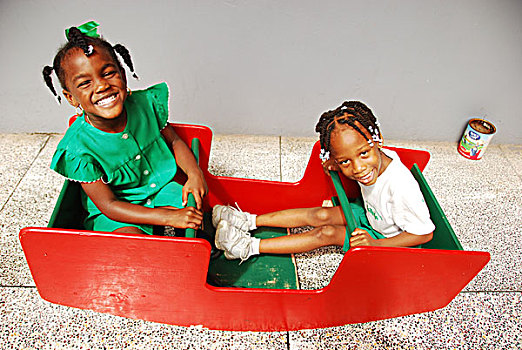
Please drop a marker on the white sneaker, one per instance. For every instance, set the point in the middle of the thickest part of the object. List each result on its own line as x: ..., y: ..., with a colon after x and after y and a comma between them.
x: 235, y: 242
x: 235, y: 217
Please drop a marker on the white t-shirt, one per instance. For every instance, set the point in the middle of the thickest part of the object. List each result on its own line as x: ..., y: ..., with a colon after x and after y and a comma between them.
x: 395, y: 203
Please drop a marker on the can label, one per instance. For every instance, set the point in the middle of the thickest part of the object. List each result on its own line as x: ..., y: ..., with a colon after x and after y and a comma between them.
x: 476, y: 138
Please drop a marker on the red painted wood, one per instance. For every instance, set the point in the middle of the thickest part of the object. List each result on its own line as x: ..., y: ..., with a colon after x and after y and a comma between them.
x: 262, y: 196
x: 162, y: 279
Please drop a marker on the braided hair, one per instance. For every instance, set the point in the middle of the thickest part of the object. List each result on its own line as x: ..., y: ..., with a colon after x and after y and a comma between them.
x: 77, y: 39
x: 351, y: 113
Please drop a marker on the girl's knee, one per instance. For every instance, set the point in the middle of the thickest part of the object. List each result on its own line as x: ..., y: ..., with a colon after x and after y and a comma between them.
x: 322, y: 216
x: 331, y: 234
x: 129, y: 229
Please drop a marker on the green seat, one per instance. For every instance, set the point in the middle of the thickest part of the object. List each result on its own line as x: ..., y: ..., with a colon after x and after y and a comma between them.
x: 263, y: 271
x: 443, y: 237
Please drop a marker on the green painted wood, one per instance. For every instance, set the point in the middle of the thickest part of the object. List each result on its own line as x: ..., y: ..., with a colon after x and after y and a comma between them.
x: 345, y: 205
x: 443, y: 237
x: 191, y: 202
x: 267, y: 271
x: 68, y: 211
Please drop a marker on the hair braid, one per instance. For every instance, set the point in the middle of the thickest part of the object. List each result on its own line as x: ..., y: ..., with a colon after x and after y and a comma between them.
x: 78, y: 39
x: 124, y: 53
x: 352, y: 113
x: 47, y: 71
x: 325, y: 121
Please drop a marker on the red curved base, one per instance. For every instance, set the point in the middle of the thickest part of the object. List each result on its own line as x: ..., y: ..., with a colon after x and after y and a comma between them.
x: 163, y: 279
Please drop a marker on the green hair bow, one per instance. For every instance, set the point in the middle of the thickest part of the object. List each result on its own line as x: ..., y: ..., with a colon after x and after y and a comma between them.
x: 89, y: 28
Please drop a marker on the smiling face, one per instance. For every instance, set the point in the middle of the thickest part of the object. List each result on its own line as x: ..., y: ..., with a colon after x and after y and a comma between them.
x: 356, y: 158
x: 96, y: 83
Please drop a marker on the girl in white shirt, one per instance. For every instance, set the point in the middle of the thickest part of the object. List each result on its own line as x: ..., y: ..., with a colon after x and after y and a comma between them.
x: 350, y: 143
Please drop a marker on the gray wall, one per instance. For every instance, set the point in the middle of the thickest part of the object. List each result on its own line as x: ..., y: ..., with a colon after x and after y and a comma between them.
x: 272, y: 67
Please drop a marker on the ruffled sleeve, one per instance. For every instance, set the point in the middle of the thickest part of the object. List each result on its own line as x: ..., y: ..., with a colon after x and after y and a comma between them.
x: 159, y: 94
x: 75, y: 168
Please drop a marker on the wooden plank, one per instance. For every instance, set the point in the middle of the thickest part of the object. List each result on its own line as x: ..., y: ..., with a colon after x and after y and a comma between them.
x: 261, y: 271
x: 163, y: 279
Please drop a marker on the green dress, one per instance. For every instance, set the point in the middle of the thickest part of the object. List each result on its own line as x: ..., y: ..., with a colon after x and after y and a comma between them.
x: 136, y: 163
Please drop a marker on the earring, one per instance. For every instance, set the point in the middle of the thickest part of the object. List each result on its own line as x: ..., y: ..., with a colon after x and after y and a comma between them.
x: 79, y: 110
x: 129, y: 92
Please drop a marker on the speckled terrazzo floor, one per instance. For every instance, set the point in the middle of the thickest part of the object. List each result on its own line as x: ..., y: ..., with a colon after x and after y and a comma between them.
x: 482, y: 200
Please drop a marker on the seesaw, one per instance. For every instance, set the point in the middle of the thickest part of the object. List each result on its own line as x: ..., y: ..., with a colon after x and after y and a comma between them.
x: 166, y: 279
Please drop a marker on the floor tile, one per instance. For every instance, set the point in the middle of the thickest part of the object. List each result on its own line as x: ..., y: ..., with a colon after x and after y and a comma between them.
x: 470, y: 321
x: 253, y: 157
x: 31, y: 205
x: 513, y: 154
x: 17, y: 152
x: 29, y: 322
x: 482, y: 200
x: 295, y: 155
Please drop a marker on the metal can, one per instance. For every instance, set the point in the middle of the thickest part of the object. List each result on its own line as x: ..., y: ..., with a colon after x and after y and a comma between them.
x: 476, y: 138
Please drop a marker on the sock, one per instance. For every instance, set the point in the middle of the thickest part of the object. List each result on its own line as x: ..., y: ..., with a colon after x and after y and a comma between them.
x: 252, y: 223
x: 254, y: 247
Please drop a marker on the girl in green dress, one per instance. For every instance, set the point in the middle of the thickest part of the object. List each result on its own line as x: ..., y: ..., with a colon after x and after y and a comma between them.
x: 121, y: 148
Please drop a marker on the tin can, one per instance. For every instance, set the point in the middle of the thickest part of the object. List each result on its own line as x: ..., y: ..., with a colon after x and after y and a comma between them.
x: 476, y: 138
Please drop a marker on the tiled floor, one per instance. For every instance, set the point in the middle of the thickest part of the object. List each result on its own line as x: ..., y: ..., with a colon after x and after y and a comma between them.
x: 482, y: 200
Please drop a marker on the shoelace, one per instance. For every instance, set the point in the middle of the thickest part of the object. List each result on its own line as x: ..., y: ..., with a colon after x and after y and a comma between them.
x: 245, y: 257
x: 238, y: 209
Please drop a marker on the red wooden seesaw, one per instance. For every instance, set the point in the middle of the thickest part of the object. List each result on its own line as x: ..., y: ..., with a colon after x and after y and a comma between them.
x: 164, y: 279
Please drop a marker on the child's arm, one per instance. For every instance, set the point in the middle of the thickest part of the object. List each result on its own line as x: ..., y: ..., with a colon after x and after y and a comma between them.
x: 196, y: 183
x: 405, y: 239
x: 115, y: 209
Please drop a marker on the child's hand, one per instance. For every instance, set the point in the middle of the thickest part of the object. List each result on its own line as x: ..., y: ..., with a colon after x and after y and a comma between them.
x: 328, y: 165
x: 185, y: 218
x: 198, y: 187
x: 362, y: 238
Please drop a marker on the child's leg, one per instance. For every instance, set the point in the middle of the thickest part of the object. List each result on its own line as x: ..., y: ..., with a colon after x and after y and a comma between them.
x: 238, y: 244
x: 128, y: 229
x: 101, y: 222
x: 284, y: 218
x: 302, y: 217
x: 304, y: 242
